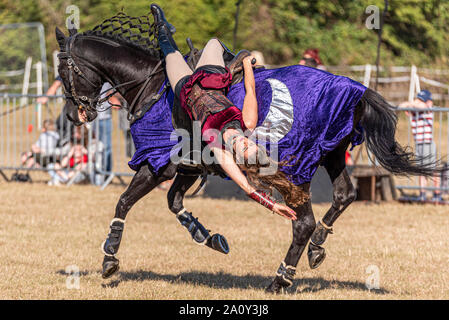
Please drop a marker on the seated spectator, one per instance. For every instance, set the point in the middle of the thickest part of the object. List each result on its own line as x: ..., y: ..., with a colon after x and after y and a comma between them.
x: 311, y: 58
x: 96, y: 153
x: 64, y: 127
x: 44, y: 150
x: 74, y: 162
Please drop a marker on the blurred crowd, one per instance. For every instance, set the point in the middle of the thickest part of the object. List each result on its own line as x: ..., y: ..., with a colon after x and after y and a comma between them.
x: 65, y: 150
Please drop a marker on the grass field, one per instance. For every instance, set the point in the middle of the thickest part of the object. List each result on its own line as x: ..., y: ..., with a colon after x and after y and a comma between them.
x: 45, y: 229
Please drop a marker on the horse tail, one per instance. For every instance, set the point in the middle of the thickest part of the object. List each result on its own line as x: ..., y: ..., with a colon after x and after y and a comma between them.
x: 379, y: 123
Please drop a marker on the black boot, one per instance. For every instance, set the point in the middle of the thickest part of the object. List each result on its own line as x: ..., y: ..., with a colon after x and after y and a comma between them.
x: 164, y: 31
x: 158, y: 14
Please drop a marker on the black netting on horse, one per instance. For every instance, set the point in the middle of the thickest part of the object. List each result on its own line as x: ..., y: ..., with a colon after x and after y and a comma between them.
x: 138, y: 31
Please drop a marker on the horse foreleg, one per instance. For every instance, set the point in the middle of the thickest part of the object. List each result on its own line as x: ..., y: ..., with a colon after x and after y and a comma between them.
x: 343, y: 195
x: 142, y: 183
x: 178, y: 189
x: 199, y: 233
x: 302, y: 230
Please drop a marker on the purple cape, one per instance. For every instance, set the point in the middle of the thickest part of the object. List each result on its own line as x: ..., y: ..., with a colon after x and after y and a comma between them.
x: 307, y: 111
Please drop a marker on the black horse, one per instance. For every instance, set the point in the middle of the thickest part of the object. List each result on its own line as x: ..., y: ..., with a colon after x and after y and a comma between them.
x: 90, y: 59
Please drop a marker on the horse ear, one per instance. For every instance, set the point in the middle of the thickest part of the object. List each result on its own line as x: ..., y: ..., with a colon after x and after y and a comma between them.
x: 60, y: 38
x: 72, y: 31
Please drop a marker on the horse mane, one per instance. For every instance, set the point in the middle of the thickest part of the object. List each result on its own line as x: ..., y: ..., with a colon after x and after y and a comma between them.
x: 135, y: 32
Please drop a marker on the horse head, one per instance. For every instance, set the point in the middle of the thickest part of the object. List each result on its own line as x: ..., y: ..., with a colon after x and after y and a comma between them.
x: 89, y: 59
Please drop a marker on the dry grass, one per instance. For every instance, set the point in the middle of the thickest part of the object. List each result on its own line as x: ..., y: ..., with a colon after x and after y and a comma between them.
x: 45, y: 229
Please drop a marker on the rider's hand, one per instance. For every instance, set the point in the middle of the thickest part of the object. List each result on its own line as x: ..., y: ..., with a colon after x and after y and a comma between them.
x: 42, y: 100
x: 284, y: 211
x: 249, y: 60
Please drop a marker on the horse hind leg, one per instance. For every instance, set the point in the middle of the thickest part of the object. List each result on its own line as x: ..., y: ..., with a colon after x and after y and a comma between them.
x: 303, y: 228
x: 343, y: 195
x: 142, y: 183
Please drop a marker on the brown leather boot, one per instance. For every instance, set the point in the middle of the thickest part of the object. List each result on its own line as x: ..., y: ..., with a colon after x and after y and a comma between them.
x: 236, y: 64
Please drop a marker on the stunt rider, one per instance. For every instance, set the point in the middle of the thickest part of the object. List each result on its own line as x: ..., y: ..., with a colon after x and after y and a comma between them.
x: 201, y: 95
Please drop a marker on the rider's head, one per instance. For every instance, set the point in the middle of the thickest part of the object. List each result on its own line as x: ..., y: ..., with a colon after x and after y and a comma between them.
x: 244, y: 149
x: 262, y: 171
x: 248, y: 152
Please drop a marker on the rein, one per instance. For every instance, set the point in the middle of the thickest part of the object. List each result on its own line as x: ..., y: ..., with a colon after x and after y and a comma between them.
x: 91, y: 103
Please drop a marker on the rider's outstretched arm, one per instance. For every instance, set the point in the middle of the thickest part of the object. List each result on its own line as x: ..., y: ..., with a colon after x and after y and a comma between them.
x: 249, y: 110
x: 228, y: 164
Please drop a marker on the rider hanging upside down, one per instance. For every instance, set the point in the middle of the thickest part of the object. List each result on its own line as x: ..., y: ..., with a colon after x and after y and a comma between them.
x: 201, y: 95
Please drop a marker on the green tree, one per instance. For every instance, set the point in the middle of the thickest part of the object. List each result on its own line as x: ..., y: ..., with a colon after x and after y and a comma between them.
x: 415, y: 31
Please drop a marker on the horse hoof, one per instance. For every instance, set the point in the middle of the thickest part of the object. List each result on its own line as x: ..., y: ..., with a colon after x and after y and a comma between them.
x: 316, y: 255
x: 219, y: 243
x: 110, y: 266
x: 276, y: 286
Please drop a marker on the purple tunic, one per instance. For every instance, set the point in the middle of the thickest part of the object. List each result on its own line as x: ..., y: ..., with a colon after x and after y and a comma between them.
x: 308, y: 112
x: 153, y: 135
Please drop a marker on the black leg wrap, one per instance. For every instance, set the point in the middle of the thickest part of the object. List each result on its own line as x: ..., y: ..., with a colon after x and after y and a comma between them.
x: 284, y: 278
x: 286, y: 274
x: 219, y: 243
x: 111, y: 245
x: 198, y: 232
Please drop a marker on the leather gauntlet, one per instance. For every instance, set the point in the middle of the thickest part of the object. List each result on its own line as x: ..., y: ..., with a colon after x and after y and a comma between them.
x: 263, y: 199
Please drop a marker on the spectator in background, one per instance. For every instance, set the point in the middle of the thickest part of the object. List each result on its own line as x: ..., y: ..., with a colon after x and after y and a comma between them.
x: 348, y: 159
x: 125, y: 127
x: 64, y: 128
x: 103, y: 129
x: 311, y: 58
x: 63, y: 125
x: 51, y: 91
x: 44, y: 150
x: 74, y: 162
x: 422, y: 129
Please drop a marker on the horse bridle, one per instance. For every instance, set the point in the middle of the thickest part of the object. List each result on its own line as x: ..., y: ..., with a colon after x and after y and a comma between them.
x: 90, y: 104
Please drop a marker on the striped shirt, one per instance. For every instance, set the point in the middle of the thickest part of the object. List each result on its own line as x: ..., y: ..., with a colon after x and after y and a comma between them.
x: 422, y: 126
